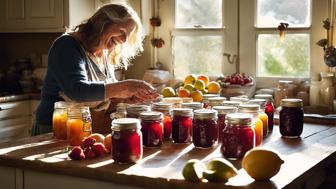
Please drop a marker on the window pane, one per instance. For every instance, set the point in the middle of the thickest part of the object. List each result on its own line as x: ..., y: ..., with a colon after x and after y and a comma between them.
x: 205, y: 13
x: 295, y: 12
x: 288, y: 58
x: 198, y: 55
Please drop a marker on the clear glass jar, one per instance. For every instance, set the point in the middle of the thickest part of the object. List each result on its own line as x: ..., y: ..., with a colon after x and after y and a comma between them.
x: 134, y: 110
x: 205, y: 99
x: 291, y: 118
x: 120, y: 111
x: 254, y: 109
x: 126, y: 140
x: 222, y: 112
x: 238, y: 136
x: 165, y: 109
x: 78, y: 124
x: 327, y: 90
x: 262, y: 114
x: 232, y: 103
x: 60, y: 116
x: 193, y: 105
x: 205, y: 128
x: 216, y: 101
x: 152, y: 128
x: 182, y: 125
x: 269, y: 109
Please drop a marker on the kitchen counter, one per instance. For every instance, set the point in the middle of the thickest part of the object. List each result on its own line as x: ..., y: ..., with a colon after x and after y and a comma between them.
x: 306, y: 160
x: 19, y: 97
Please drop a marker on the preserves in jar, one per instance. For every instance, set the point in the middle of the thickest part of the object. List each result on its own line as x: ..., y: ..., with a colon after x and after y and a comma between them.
x: 205, y: 128
x: 165, y: 109
x: 182, y: 125
x: 291, y: 118
x: 152, y: 128
x: 78, y: 124
x: 222, y: 112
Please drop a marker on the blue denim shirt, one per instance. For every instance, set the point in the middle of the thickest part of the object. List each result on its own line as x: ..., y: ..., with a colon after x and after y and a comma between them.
x: 67, y: 72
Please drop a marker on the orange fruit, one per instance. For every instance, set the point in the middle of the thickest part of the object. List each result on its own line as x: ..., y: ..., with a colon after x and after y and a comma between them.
x: 108, y: 142
x: 98, y: 137
x: 200, y: 85
x: 189, y: 87
x: 204, y: 78
x: 168, y: 92
x: 190, y: 79
x: 214, y: 87
x: 197, y: 96
x: 183, y: 93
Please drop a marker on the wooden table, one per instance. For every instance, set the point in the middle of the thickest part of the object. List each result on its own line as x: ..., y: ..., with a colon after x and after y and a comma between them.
x: 41, y: 162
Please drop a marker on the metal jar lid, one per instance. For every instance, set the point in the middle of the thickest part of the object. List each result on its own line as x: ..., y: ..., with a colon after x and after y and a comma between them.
x: 187, y: 112
x: 232, y: 103
x: 160, y: 106
x: 151, y: 116
x: 223, y: 110
x: 238, y: 119
x: 207, y: 96
x: 260, y: 102
x: 205, y: 114
x: 216, y: 101
x: 137, y: 108
x: 193, y: 105
x: 291, y: 102
x: 125, y: 124
x: 240, y: 99
x: 249, y: 108
x: 267, y: 97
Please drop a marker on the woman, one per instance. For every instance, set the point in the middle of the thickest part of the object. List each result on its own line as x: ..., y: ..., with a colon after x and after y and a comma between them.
x: 81, y: 65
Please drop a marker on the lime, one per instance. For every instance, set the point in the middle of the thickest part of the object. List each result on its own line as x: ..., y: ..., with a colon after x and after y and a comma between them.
x: 219, y: 170
x: 192, y: 170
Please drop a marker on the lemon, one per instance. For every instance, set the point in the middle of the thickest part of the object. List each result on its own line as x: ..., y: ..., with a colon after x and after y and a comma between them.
x: 199, y: 85
x: 192, y: 170
x: 189, y: 87
x: 219, y: 170
x: 168, y: 92
x: 262, y: 163
x: 214, y: 87
x: 190, y: 79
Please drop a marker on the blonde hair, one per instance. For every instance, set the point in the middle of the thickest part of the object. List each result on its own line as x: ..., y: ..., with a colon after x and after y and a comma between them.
x: 109, y: 14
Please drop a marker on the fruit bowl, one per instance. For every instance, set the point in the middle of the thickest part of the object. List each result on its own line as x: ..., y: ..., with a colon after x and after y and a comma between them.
x: 236, y: 85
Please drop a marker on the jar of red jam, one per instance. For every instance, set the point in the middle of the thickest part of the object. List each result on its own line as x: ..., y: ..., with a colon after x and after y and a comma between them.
x: 291, y: 118
x: 193, y: 105
x: 182, y: 125
x: 222, y: 112
x: 126, y: 140
x: 165, y: 109
x: 232, y: 103
x: 151, y: 128
x: 216, y: 101
x: 134, y: 110
x: 269, y: 109
x: 238, y: 135
x: 205, y: 128
x: 205, y: 99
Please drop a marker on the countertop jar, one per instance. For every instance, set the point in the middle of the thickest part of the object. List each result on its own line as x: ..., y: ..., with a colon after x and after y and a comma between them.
x: 182, y: 125
x: 126, y: 140
x: 216, y: 101
x: 206, y: 97
x: 327, y: 89
x: 60, y: 116
x: 152, y: 128
x: 205, y: 128
x: 232, y: 103
x: 243, y: 100
x: 238, y: 136
x: 291, y: 118
x: 262, y: 114
x: 193, y: 105
x: 78, y: 124
x: 222, y: 112
x: 165, y: 109
x: 134, y: 110
x: 269, y: 109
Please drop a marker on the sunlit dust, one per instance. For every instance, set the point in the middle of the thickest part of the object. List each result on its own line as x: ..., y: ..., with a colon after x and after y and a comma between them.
x: 184, y: 151
x: 14, y: 148
x: 100, y: 164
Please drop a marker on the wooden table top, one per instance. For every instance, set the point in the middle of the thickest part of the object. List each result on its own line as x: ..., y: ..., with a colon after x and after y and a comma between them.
x: 161, y: 167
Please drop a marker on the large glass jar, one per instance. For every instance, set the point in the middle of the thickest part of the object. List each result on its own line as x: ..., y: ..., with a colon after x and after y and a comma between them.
x: 291, y: 118
x: 182, y: 125
x: 262, y: 114
x: 205, y: 99
x: 152, y: 128
x: 327, y: 90
x: 222, y: 112
x: 193, y: 105
x: 78, y: 124
x: 238, y: 136
x: 254, y: 109
x: 126, y: 140
x: 134, y: 110
x: 165, y: 109
x: 269, y: 109
x: 216, y: 101
x: 205, y: 128
x: 60, y: 116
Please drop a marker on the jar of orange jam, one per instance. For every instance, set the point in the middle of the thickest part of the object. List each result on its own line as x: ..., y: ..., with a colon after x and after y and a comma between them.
x: 257, y: 123
x: 78, y: 124
x: 165, y: 109
x: 262, y: 115
x: 60, y: 117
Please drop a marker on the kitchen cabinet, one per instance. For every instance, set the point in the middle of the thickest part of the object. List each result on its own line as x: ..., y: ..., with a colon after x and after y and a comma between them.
x: 43, y: 15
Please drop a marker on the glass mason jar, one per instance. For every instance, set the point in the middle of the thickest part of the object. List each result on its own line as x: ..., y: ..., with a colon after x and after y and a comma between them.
x: 152, y: 128
x: 254, y: 109
x: 238, y: 136
x: 232, y: 103
x: 216, y: 101
x: 269, y: 109
x: 243, y: 100
x: 126, y: 140
x: 134, y: 110
x: 120, y: 111
x: 182, y: 125
x: 205, y: 99
x: 291, y: 118
x: 60, y: 116
x: 78, y: 124
x: 165, y: 109
x: 222, y: 112
x: 262, y: 115
x: 205, y: 128
x: 193, y: 105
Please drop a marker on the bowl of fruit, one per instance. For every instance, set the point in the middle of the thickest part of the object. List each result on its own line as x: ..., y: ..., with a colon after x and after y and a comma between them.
x: 237, y: 84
